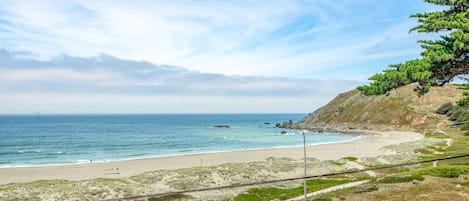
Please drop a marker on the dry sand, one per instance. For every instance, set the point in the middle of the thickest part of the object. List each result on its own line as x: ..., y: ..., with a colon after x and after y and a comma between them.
x: 369, y: 145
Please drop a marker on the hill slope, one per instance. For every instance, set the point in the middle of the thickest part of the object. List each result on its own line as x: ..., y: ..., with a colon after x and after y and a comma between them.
x: 400, y: 109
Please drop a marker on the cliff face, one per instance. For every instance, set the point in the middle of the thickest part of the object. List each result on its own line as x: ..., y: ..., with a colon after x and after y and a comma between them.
x: 400, y: 109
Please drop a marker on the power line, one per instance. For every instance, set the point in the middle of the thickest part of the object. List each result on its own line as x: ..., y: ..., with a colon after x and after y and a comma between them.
x: 280, y: 180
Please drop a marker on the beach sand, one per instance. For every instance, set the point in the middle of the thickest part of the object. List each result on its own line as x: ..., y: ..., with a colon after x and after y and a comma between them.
x: 370, y: 144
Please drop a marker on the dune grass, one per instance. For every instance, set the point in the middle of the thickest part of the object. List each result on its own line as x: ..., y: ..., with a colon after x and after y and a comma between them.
x: 443, y: 171
x: 270, y: 193
x: 350, y: 158
x: 400, y: 178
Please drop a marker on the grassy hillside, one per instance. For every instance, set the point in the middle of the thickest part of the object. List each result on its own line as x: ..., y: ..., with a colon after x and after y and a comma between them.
x: 400, y: 109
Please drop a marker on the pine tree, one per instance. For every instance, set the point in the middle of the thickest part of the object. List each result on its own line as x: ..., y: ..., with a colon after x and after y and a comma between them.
x: 441, y: 60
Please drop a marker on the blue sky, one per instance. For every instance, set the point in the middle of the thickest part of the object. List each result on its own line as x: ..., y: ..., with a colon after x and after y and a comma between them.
x: 195, y: 52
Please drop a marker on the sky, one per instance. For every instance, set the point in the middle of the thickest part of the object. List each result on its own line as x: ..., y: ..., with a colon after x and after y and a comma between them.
x: 196, y: 56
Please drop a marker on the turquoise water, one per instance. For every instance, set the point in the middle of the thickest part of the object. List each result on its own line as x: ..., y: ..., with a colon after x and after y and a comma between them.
x: 62, y: 139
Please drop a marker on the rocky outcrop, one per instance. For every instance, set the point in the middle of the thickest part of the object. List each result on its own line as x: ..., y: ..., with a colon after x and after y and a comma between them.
x: 400, y: 109
x: 286, y: 124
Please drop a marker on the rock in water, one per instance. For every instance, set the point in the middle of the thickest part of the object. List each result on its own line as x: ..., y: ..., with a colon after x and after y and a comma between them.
x: 287, y: 124
x: 221, y: 126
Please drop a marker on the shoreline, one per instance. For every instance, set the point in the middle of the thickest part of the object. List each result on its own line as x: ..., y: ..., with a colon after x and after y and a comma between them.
x: 370, y: 144
x: 358, y: 137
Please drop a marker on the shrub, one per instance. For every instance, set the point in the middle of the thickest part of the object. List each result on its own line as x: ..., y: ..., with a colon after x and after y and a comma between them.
x: 423, y: 151
x: 463, y: 102
x: 443, y: 171
x: 464, y: 126
x: 445, y: 108
x: 400, y: 179
x: 323, y: 199
x: 459, y: 115
x: 365, y: 189
x: 270, y: 193
x: 350, y: 158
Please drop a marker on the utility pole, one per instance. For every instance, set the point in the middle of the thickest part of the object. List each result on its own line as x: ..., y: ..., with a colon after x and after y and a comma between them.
x: 304, y: 150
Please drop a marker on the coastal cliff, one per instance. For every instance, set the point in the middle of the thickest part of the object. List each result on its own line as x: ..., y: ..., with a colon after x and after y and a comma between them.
x: 400, y: 109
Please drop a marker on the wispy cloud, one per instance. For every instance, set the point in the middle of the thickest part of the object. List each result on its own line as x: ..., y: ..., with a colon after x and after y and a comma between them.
x: 269, y: 38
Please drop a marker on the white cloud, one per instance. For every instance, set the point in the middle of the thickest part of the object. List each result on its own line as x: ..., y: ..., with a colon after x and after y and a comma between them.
x: 106, y: 84
x: 108, y: 74
x: 254, y: 56
x: 268, y: 38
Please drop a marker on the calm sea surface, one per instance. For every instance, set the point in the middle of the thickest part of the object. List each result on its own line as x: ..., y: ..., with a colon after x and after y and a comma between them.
x: 61, y: 139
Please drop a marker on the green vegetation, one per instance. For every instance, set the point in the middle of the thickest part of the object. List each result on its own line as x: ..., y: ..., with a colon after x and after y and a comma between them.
x: 338, y: 163
x: 445, y: 108
x: 270, y: 193
x: 169, y: 197
x: 350, y: 158
x: 395, y: 170
x: 431, y: 189
x: 424, y: 151
x: 459, y: 113
x: 398, y: 75
x: 400, y: 178
x: 365, y: 189
x: 323, y: 199
x: 434, y: 181
x: 441, y: 60
x: 462, y: 183
x: 436, y: 135
x: 443, y: 171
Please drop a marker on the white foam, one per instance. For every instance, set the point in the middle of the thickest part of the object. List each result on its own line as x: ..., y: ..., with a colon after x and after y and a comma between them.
x: 357, y: 137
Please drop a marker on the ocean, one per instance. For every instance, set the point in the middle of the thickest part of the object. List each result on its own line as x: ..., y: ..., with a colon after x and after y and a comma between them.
x: 29, y: 140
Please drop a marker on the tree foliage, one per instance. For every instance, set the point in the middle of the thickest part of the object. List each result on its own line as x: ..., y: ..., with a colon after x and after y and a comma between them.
x: 441, y: 60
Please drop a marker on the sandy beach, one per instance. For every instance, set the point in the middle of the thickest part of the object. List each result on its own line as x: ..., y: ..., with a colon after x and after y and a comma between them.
x: 370, y: 144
